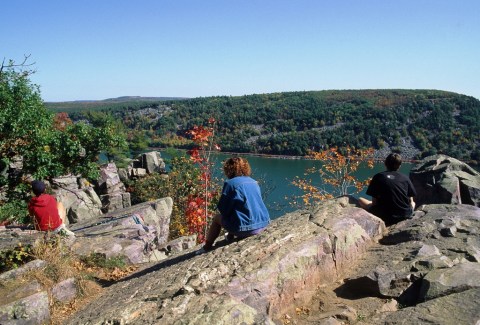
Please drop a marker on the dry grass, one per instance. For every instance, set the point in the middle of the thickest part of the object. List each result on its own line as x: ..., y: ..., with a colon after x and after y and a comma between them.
x: 62, y: 264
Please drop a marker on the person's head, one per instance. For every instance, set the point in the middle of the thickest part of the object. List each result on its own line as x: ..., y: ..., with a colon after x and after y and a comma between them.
x: 38, y: 187
x: 393, y: 162
x: 236, y: 166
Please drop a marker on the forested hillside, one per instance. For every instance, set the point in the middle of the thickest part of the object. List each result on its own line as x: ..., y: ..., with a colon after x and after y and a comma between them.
x: 291, y: 123
x: 106, y: 104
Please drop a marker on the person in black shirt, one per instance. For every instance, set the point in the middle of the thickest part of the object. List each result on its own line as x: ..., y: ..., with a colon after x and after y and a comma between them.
x: 392, y: 193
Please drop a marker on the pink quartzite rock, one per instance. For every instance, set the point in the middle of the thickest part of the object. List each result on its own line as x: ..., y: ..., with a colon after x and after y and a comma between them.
x: 33, y: 309
x: 442, y: 179
x: 255, y: 280
x: 65, y: 291
x: 135, y: 233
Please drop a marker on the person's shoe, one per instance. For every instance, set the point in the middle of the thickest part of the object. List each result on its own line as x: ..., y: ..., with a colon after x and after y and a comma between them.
x: 203, y: 250
x: 229, y: 237
x: 68, y: 232
x: 64, y: 231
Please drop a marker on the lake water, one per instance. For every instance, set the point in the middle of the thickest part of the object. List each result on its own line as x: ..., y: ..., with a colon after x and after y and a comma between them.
x: 275, y: 176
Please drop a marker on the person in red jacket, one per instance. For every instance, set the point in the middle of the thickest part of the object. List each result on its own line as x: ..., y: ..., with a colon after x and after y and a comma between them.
x: 49, y: 215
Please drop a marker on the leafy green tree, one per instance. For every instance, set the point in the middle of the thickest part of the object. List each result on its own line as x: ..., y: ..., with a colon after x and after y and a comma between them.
x: 112, y: 129
x: 180, y: 184
x: 45, y: 148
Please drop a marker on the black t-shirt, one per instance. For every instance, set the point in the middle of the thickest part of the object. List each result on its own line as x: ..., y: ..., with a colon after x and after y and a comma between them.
x: 393, y: 191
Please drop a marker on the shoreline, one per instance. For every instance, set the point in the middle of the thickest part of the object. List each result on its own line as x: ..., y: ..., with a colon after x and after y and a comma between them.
x: 377, y: 157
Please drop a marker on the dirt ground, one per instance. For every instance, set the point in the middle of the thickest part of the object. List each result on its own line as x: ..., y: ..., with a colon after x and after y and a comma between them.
x: 340, y: 303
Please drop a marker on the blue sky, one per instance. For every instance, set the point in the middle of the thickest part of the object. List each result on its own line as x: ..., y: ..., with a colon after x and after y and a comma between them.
x: 97, y: 49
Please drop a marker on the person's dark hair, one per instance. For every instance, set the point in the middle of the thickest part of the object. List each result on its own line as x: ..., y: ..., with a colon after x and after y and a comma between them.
x: 393, y: 162
x: 38, y: 187
x: 236, y: 166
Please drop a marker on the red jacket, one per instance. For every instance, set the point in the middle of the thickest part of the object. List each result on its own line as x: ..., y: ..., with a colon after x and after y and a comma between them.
x: 44, y: 208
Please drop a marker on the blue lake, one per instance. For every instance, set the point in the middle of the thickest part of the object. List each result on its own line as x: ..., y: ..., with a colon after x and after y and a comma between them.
x: 275, y: 176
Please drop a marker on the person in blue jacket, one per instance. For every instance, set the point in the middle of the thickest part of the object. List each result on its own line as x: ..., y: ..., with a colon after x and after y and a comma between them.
x: 242, y: 210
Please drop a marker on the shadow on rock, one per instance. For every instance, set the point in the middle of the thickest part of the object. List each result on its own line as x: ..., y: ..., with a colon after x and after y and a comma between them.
x: 359, y: 288
x: 166, y: 263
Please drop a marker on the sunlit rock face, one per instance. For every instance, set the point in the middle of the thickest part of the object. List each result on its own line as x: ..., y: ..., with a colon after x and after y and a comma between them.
x: 442, y: 179
x: 136, y: 233
x: 253, y: 281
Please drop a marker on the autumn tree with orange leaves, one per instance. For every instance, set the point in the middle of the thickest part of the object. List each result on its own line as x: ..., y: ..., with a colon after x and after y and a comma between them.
x: 336, y: 173
x: 201, y: 206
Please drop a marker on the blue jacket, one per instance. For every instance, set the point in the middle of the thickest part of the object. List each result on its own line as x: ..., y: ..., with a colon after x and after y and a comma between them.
x: 241, y: 205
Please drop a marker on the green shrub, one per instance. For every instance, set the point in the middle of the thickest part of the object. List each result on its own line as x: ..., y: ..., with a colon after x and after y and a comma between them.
x: 100, y: 260
x: 180, y: 184
x: 15, y: 210
x: 14, y: 258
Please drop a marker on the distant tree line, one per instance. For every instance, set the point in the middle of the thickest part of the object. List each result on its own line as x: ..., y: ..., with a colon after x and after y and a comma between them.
x: 291, y: 123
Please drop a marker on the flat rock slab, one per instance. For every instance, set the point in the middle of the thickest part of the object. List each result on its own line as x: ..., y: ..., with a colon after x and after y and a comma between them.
x: 459, y: 309
x: 442, y: 282
x: 11, y: 237
x: 32, y: 310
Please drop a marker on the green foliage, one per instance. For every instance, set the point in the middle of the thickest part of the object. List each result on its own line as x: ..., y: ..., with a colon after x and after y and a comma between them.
x: 137, y: 141
x: 111, y: 134
x: 46, y: 149
x: 100, y: 260
x: 15, y: 210
x: 125, y: 102
x: 291, y: 123
x: 13, y: 258
x: 179, y: 184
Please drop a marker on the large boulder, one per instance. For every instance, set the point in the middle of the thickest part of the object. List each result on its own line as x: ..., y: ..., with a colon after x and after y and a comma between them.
x: 143, y: 165
x: 255, y: 280
x: 442, y: 282
x: 442, y: 179
x: 111, y: 189
x: 457, y: 308
x: 80, y: 200
x: 420, y: 261
x: 151, y: 161
x: 136, y: 233
x: 81, y: 204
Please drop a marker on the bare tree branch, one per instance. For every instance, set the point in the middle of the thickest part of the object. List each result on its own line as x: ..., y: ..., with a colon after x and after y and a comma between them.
x: 11, y: 64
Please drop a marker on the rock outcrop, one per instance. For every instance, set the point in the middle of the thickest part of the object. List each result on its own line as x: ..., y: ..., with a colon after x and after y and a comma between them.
x: 78, y: 197
x: 442, y: 179
x: 429, y: 264
x: 422, y: 266
x: 136, y: 233
x: 251, y: 281
x: 111, y: 189
x: 261, y: 279
x: 110, y: 185
x: 139, y: 234
x: 144, y: 164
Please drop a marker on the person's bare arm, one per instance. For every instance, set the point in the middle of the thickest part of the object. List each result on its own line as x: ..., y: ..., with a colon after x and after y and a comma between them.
x: 62, y: 212
x: 412, y: 203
